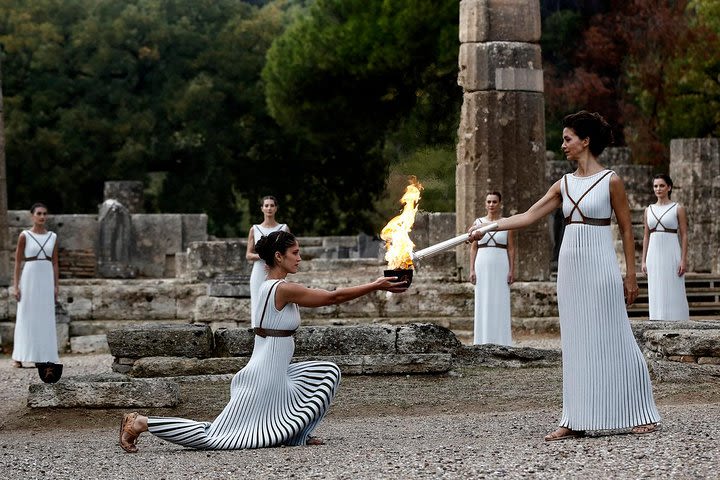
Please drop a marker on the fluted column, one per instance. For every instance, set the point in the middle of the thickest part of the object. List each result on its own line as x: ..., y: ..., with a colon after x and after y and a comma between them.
x: 501, y: 138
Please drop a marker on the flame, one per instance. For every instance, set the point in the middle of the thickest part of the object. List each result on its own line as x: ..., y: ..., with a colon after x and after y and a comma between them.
x: 398, y: 245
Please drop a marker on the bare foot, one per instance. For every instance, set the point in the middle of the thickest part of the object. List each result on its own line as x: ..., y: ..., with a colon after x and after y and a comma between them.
x: 16, y: 364
x: 564, y: 433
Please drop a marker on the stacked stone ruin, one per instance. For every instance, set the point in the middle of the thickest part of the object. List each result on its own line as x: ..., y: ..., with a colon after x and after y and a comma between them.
x: 135, y: 276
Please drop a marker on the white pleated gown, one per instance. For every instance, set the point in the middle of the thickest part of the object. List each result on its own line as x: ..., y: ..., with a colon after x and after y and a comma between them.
x: 666, y: 290
x: 605, y: 379
x: 492, y: 292
x: 35, y: 335
x: 259, y: 269
x: 272, y: 402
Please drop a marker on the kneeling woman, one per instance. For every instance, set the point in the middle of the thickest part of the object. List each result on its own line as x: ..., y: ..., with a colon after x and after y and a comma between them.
x: 272, y: 402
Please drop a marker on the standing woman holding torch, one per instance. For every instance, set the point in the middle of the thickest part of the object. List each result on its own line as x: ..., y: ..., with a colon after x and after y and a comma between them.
x: 492, y: 271
x: 606, y: 384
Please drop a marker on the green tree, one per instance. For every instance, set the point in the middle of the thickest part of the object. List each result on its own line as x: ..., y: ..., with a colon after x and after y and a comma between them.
x: 367, y: 83
x: 103, y: 90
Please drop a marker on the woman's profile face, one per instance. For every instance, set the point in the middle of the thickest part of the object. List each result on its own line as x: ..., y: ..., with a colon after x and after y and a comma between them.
x: 572, y: 145
x: 661, y: 188
x: 492, y: 204
x: 290, y: 260
x: 268, y: 207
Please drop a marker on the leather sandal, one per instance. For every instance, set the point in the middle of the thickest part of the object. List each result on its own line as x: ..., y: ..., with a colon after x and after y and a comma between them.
x: 126, y: 428
x: 564, y: 433
x: 314, y: 441
x: 16, y: 364
x: 642, y: 429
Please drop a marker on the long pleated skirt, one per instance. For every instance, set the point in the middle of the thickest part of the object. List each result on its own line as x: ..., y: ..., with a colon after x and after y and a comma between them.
x: 257, y: 276
x: 606, y: 384
x: 272, y: 403
x: 35, y: 334
x: 666, y: 290
x: 492, y: 297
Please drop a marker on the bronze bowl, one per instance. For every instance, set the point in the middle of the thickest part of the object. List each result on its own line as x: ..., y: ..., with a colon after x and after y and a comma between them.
x: 402, y: 274
x: 49, y: 372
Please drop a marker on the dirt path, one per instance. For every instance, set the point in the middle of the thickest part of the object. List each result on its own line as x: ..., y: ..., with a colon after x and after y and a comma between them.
x: 469, y: 424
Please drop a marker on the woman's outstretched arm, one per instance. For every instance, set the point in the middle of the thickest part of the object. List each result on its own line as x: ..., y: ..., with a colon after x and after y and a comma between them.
x: 288, y: 292
x: 543, y: 207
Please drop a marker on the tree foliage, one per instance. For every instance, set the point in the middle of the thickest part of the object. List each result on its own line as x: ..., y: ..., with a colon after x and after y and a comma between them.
x: 99, y: 89
x: 370, y: 81
x: 650, y: 66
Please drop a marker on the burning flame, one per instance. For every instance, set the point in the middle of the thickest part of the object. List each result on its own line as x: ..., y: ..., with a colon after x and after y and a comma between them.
x: 398, y: 245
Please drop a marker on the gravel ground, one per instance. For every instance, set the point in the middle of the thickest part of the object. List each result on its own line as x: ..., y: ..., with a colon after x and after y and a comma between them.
x: 472, y: 423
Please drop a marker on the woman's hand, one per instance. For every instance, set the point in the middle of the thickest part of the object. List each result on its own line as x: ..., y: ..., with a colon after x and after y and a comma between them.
x: 630, y: 287
x: 473, y: 278
x: 390, y: 284
x: 473, y: 234
x: 681, y: 268
x: 57, y: 290
x: 643, y: 268
x: 17, y: 294
x: 510, y: 278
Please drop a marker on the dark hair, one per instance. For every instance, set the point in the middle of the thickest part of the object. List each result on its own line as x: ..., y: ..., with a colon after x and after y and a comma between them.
x: 496, y: 193
x: 37, y: 205
x: 592, y: 126
x: 268, y: 197
x: 278, y: 241
x: 666, y: 179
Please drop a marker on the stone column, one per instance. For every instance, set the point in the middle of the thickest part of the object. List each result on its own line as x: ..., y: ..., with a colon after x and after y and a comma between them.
x: 695, y: 170
x: 5, y: 274
x: 501, y: 138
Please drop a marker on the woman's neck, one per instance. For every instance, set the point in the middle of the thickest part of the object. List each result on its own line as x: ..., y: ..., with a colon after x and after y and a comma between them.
x: 276, y: 274
x: 663, y: 201
x: 493, y: 216
x: 588, y: 165
x: 269, y: 222
x: 38, y: 229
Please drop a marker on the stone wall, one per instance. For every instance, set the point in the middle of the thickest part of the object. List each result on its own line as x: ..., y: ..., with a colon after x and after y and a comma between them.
x: 695, y: 170
x: 155, y: 240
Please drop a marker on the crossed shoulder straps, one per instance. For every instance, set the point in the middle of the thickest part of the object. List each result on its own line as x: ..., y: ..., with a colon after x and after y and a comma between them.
x: 42, y: 248
x: 659, y: 220
x: 576, y: 205
x: 494, y: 241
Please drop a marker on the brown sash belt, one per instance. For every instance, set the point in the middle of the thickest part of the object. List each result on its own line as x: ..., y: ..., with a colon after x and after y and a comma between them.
x: 485, y: 245
x: 667, y: 230
x: 598, y: 222
x: 269, y: 332
x: 32, y: 259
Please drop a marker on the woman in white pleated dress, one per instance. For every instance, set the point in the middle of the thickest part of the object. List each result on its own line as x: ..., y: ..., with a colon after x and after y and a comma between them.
x: 606, y: 385
x: 272, y: 402
x: 492, y: 271
x: 665, y: 254
x: 36, y: 290
x: 269, y: 207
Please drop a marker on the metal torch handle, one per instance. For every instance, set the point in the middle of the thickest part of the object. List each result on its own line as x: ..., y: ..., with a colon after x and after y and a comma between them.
x: 448, y: 244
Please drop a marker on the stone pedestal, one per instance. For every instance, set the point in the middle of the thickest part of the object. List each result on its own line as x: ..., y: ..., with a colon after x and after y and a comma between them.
x: 501, y: 138
x: 129, y: 193
x: 114, y: 241
x: 695, y: 170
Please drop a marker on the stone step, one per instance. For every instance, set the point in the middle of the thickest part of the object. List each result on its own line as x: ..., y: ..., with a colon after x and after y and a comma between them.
x: 110, y: 390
